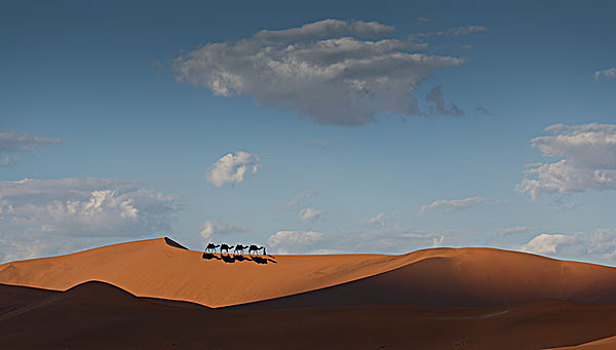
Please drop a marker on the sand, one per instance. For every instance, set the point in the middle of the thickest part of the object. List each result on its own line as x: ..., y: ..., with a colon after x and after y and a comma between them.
x: 601, y: 344
x: 160, y: 268
x: 96, y: 315
x: 155, y: 294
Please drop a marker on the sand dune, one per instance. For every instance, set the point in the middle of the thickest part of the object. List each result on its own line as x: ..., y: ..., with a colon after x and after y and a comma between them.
x: 602, y: 344
x: 461, y: 280
x: 96, y: 315
x: 159, y: 268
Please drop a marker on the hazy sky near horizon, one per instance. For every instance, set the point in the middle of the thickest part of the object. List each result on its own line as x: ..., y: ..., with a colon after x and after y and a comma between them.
x: 318, y: 126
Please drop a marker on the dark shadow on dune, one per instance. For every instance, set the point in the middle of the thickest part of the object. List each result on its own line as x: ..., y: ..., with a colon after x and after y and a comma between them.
x: 227, y: 258
x: 231, y: 259
x: 209, y: 256
x: 391, y: 287
x: 241, y: 258
x: 263, y: 260
x: 99, y: 315
x: 173, y: 243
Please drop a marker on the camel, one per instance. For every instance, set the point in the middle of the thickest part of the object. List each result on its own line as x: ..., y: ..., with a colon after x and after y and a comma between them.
x: 239, y: 248
x: 225, y: 247
x: 211, y: 247
x: 255, y: 248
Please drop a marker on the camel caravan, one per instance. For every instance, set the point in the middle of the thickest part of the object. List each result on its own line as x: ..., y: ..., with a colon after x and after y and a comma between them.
x: 238, y: 249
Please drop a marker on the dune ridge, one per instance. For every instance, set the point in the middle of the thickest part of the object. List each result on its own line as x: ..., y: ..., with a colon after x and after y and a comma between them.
x: 482, y: 276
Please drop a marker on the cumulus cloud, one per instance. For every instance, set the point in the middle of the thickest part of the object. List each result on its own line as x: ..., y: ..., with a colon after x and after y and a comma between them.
x: 384, y: 240
x: 380, y: 220
x: 331, y: 71
x: 232, y: 168
x: 548, y: 243
x: 435, y: 96
x: 452, y: 204
x: 609, y: 73
x: 585, y: 159
x: 53, y: 216
x: 281, y: 241
x: 310, y: 214
x: 18, y: 142
x: 599, y: 246
x: 602, y: 244
x: 215, y: 227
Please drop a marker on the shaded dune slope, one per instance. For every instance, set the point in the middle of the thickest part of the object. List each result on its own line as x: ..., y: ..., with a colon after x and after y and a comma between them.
x: 161, y: 268
x: 461, y: 281
x: 97, y: 315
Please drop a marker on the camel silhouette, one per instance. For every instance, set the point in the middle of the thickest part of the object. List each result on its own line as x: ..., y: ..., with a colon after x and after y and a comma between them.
x: 225, y: 247
x: 255, y: 248
x: 211, y: 247
x: 239, y: 249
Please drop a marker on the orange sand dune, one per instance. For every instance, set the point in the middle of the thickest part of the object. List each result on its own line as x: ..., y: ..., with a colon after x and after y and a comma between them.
x: 96, y: 315
x: 602, y: 344
x: 482, y: 276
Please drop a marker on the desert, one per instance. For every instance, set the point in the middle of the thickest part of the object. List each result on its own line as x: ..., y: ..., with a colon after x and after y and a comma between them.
x: 157, y: 294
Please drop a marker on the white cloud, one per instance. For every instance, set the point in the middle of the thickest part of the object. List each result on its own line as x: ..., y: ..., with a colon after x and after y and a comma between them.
x: 548, y: 243
x: 52, y: 216
x: 285, y: 241
x: 585, y: 159
x: 332, y: 71
x: 232, y: 168
x: 380, y: 240
x: 452, y: 204
x: 216, y: 227
x: 609, y: 73
x: 378, y: 221
x: 310, y: 214
x: 327, y: 28
x: 603, y: 245
x: 17, y: 142
x: 599, y: 246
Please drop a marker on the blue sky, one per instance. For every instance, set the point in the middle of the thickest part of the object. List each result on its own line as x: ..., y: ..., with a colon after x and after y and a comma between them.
x: 116, y: 113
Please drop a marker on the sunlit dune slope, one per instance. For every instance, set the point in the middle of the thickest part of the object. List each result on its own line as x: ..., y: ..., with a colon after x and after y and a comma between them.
x: 602, y: 344
x: 467, y: 276
x: 96, y: 315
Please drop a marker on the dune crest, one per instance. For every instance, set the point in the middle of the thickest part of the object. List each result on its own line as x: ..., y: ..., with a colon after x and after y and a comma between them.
x: 157, y: 268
